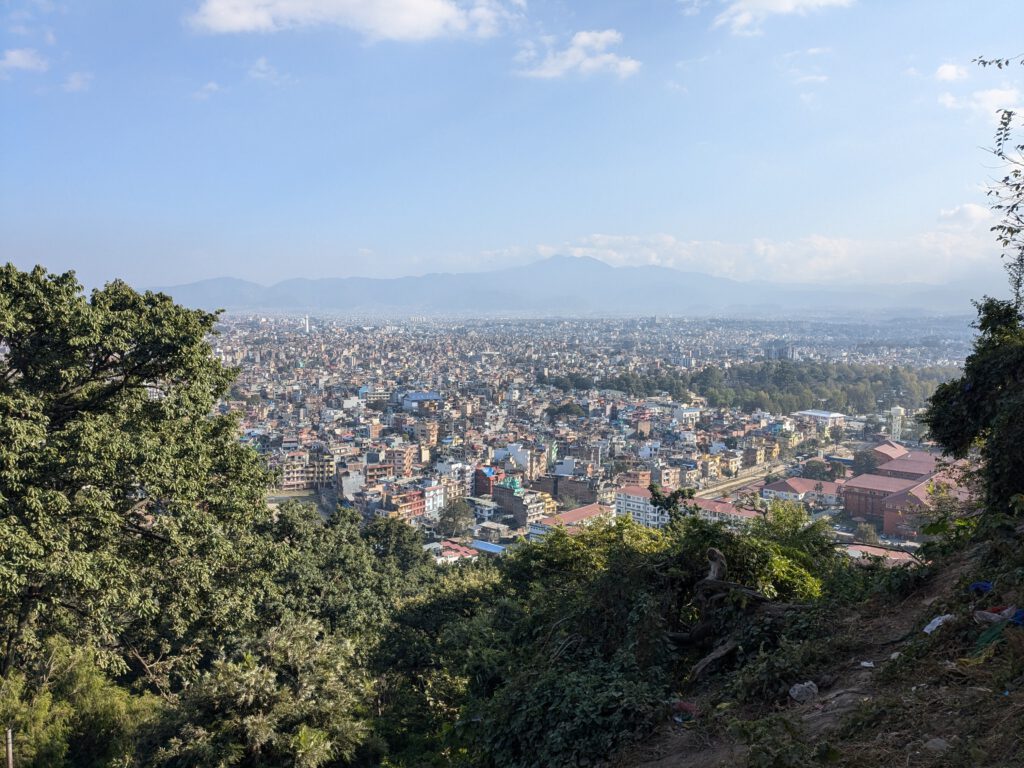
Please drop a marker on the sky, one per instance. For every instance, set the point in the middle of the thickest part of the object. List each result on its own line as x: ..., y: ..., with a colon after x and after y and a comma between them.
x: 798, y: 141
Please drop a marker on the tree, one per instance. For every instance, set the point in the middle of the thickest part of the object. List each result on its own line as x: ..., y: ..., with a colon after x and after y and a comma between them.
x: 1007, y: 194
x: 816, y: 469
x: 985, y: 406
x: 126, y: 509
x: 455, y: 519
x: 287, y: 699
x: 866, y: 533
x: 865, y: 462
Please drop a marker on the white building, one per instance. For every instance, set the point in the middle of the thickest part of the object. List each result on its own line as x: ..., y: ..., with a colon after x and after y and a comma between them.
x: 635, y: 502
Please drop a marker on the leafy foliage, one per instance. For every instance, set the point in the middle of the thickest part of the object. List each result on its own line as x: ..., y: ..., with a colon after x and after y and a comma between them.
x: 780, y: 386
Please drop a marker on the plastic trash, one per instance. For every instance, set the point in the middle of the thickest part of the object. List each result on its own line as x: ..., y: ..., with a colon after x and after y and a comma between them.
x: 937, y: 622
x: 803, y: 692
x: 868, y: 664
x: 996, y: 614
x: 980, y: 587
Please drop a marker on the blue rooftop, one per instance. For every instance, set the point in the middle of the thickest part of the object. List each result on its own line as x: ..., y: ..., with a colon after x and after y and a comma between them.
x: 486, y: 546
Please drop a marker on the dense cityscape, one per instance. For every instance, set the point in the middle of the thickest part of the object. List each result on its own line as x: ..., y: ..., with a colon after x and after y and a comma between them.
x: 486, y: 434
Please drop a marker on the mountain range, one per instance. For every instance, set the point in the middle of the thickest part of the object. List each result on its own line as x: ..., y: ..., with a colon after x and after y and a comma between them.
x: 571, y: 286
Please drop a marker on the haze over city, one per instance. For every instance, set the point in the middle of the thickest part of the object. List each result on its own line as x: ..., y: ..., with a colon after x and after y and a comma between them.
x: 801, y: 141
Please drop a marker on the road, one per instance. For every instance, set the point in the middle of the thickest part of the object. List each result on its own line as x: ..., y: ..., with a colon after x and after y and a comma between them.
x: 724, y: 488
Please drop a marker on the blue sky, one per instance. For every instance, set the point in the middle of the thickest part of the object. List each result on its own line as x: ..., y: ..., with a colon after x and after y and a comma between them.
x: 792, y: 140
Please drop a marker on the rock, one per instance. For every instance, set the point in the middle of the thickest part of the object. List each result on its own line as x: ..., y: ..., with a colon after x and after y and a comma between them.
x: 803, y: 692
x: 936, y: 745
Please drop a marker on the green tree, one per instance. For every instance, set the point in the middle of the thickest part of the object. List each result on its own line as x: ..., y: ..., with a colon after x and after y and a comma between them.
x: 815, y: 469
x: 286, y: 699
x: 984, y: 407
x: 126, y: 506
x: 866, y: 533
x: 456, y: 519
x: 865, y: 462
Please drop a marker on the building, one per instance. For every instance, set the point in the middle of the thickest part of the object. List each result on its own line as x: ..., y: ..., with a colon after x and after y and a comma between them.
x: 485, y: 479
x: 572, y: 520
x: 641, y: 477
x: 804, y: 490
x: 408, y: 505
x: 426, y: 432
x: 888, y: 451
x: 864, y: 495
x: 913, y: 465
x: 821, y: 419
x: 304, y: 470
x: 635, y: 502
x: 753, y: 456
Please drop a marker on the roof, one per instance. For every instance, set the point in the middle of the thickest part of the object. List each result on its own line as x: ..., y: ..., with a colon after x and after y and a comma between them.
x: 486, y: 546
x: 891, y: 449
x: 451, y: 548
x: 573, y: 516
x: 894, y: 556
x: 803, y: 485
x: 418, y: 396
x: 816, y: 414
x: 879, y: 483
x: 919, y: 464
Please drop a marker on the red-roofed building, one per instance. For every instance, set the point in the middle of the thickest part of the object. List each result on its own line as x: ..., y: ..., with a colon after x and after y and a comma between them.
x: 452, y: 551
x: 891, y: 557
x: 804, y: 489
x: 723, y: 512
x: 572, y: 520
x: 911, y: 466
x: 888, y: 451
x: 864, y: 495
x: 635, y: 502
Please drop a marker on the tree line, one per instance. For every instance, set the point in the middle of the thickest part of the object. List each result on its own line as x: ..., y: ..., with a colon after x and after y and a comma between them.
x: 780, y: 386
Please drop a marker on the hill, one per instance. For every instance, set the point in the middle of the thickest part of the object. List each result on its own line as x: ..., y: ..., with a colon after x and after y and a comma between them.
x: 563, y: 286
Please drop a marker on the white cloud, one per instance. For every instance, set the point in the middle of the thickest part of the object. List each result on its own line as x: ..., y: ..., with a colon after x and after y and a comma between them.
x: 949, y: 73
x: 966, y: 216
x: 208, y: 90
x: 988, y: 103
x: 803, y: 79
x: 262, y: 69
x: 956, y: 248
x: 22, y: 59
x: 692, y: 7
x: 587, y: 54
x: 744, y: 17
x: 77, y: 82
x: 374, y: 19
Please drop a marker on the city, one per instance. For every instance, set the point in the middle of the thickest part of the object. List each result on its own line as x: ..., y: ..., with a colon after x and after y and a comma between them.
x: 521, y: 425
